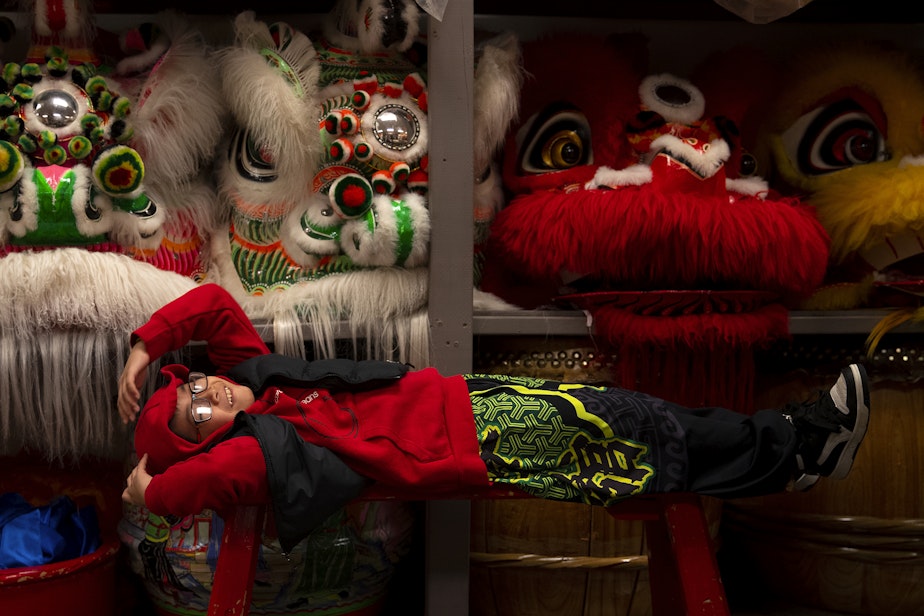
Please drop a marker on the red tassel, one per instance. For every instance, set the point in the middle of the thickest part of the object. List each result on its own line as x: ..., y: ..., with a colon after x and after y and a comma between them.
x: 691, y: 378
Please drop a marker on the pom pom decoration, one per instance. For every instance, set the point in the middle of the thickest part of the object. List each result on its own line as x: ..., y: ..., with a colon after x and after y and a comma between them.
x: 400, y: 171
x: 11, y: 166
x: 8, y: 105
x: 12, y: 126
x: 351, y: 195
x: 31, y: 73
x: 383, y: 183
x: 54, y: 154
x: 360, y: 100
x: 341, y: 150
x: 418, y: 181
x: 22, y: 92
x: 10, y: 74
x: 332, y: 122
x: 79, y: 147
x: 118, y: 171
x: 362, y: 151
x: 349, y: 122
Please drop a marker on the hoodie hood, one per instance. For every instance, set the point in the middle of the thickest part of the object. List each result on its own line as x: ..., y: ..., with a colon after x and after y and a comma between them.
x: 153, y: 435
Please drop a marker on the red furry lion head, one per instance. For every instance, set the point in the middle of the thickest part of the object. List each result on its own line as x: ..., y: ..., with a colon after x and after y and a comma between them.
x: 630, y: 200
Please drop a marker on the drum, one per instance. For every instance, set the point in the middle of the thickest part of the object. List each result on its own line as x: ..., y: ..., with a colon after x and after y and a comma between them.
x: 852, y: 546
x: 345, y: 566
x: 546, y: 558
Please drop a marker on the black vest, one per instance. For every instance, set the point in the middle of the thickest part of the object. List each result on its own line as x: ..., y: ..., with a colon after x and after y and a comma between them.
x: 307, y: 483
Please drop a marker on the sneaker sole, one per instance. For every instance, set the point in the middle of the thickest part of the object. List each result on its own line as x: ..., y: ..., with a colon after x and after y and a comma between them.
x: 805, y: 483
x: 857, y: 397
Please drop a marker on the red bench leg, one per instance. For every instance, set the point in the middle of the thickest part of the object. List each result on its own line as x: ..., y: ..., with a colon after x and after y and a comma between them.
x: 237, y: 562
x: 682, y: 568
x: 683, y: 572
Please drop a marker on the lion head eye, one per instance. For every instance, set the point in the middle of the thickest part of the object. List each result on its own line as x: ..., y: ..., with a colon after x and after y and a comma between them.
x: 251, y: 161
x: 843, y: 134
x: 557, y: 138
x: 747, y: 167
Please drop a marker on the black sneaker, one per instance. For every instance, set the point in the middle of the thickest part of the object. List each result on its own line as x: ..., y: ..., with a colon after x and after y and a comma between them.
x: 831, y: 429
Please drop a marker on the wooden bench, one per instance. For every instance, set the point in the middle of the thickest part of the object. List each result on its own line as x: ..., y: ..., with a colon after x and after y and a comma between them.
x: 682, y: 568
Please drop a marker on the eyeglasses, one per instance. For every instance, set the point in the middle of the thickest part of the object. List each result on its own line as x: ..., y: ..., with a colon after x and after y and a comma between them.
x: 200, y: 408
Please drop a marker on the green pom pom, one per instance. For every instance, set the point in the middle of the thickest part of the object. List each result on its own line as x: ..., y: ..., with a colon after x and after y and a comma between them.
x: 47, y: 139
x: 23, y: 92
x: 57, y: 66
x: 90, y: 121
x: 11, y: 165
x: 121, y: 107
x: 121, y: 131
x: 81, y: 74
x: 80, y: 147
x: 119, y: 170
x: 27, y: 143
x: 8, y: 105
x: 11, y: 73
x: 95, y: 85
x: 103, y: 100
x: 55, y: 52
x: 90, y: 125
x: 56, y: 61
x: 55, y: 155
x: 32, y: 72
x: 12, y: 126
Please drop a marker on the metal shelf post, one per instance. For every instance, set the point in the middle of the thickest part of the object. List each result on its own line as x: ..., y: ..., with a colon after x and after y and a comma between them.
x: 450, y: 82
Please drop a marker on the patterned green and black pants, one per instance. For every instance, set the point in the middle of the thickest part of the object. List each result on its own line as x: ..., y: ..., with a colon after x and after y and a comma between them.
x: 598, y: 445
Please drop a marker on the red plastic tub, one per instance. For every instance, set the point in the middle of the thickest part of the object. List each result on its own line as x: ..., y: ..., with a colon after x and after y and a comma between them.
x: 84, y: 586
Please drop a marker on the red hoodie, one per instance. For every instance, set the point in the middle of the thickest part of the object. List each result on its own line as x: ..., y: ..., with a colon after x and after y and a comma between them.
x: 414, y: 437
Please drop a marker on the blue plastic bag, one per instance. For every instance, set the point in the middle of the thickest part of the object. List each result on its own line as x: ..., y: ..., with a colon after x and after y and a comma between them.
x: 31, y: 536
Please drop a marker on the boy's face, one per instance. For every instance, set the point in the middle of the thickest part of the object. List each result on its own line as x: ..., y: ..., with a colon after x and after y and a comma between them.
x: 226, y: 399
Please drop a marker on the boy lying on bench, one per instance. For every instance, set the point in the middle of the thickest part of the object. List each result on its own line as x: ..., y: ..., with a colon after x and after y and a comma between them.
x: 310, y: 436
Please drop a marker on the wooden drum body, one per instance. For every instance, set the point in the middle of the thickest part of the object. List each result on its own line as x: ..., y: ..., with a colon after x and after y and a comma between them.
x: 852, y: 546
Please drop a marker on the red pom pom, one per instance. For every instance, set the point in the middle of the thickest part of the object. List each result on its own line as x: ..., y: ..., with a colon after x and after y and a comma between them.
x: 400, y: 171
x: 414, y: 85
x: 353, y: 197
x: 393, y: 90
x: 367, y: 84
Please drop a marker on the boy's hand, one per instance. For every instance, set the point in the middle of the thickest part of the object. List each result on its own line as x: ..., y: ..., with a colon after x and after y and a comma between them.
x: 137, y: 483
x: 132, y: 380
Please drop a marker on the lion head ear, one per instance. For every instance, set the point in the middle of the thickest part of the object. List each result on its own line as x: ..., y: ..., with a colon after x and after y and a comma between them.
x: 269, y: 80
x: 498, y: 79
x: 177, y: 116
